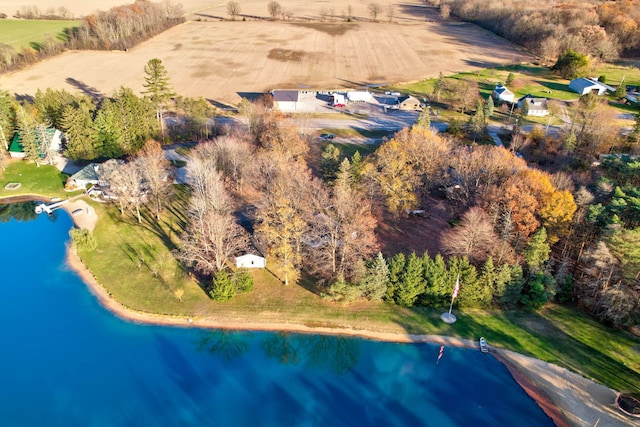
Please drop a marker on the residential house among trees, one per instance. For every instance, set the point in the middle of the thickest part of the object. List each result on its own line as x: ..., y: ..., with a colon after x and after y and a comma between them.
x: 531, y: 106
x: 88, y: 175
x: 585, y: 85
x: 409, y: 103
x: 502, y: 94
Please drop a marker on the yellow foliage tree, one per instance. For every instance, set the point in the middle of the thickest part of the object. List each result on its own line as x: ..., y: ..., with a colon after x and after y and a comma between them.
x: 557, y: 214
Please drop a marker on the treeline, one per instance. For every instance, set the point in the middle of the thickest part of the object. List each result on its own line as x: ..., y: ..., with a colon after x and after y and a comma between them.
x: 120, y: 28
x: 600, y: 29
x: 34, y: 12
x: 116, y: 126
x: 126, y: 26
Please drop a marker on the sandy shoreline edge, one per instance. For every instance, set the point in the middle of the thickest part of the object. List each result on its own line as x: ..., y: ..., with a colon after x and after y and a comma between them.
x: 524, y: 379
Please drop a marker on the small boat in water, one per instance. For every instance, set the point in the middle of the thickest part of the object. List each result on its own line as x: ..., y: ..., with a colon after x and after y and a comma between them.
x: 483, y: 345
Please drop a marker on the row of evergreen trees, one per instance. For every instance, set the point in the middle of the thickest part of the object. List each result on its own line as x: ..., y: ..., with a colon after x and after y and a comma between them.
x: 409, y: 280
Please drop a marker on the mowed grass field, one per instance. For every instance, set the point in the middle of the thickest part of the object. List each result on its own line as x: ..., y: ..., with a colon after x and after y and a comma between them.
x: 20, y: 34
x: 219, y: 60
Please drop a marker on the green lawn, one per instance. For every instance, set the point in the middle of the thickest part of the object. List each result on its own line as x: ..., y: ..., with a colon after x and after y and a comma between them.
x: 529, y: 79
x: 348, y: 150
x: 357, y: 132
x: 20, y: 33
x: 615, y: 73
x: 44, y: 180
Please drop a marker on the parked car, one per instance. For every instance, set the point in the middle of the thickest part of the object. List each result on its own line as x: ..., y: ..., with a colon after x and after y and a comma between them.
x: 327, y: 136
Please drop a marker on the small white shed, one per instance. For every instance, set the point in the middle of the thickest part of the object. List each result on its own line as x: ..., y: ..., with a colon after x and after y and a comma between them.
x: 251, y: 261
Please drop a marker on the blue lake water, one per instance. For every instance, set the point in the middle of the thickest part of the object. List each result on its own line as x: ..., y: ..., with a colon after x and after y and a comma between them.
x: 65, y: 361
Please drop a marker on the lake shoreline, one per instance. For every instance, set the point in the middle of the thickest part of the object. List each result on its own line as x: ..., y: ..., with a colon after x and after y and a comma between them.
x: 524, y: 377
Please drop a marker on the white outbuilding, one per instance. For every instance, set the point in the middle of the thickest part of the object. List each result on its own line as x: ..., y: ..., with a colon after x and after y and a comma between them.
x: 286, y: 100
x: 585, y: 85
x: 359, y: 96
x: 251, y: 261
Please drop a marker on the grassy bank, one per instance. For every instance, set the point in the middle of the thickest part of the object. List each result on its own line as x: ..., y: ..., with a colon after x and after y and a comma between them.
x: 46, y: 181
x: 23, y: 33
x: 134, y: 263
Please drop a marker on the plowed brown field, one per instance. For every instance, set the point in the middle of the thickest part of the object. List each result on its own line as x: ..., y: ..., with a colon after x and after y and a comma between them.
x: 218, y: 59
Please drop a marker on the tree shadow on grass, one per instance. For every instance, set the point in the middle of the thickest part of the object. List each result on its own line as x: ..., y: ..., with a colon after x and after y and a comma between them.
x: 560, y: 87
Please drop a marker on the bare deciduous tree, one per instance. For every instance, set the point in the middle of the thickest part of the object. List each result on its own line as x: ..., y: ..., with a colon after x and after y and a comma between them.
x: 233, y: 154
x: 157, y: 174
x: 391, y: 10
x: 127, y: 185
x: 374, y: 10
x: 275, y: 9
x: 474, y: 237
x: 233, y: 9
x: 213, y: 235
x: 341, y: 235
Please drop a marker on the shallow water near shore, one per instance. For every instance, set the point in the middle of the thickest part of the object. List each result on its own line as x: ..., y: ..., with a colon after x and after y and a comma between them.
x: 66, y: 361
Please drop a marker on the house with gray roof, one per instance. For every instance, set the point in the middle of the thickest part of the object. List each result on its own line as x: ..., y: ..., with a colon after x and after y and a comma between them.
x: 533, y: 106
x: 86, y: 176
x: 286, y: 100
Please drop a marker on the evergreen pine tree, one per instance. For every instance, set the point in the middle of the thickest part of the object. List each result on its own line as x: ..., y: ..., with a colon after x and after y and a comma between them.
x: 424, y: 120
x: 77, y: 124
x: 411, y: 284
x: 488, y: 109
x: 510, y: 79
x: 621, y: 90
x: 438, y: 285
x: 374, y: 283
x: 158, y: 88
x: 7, y: 118
x: 242, y: 281
x: 26, y: 126
x: 508, y: 285
x: 537, y: 251
x: 223, y: 288
x: 357, y: 167
x: 330, y: 163
x: 396, y: 267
